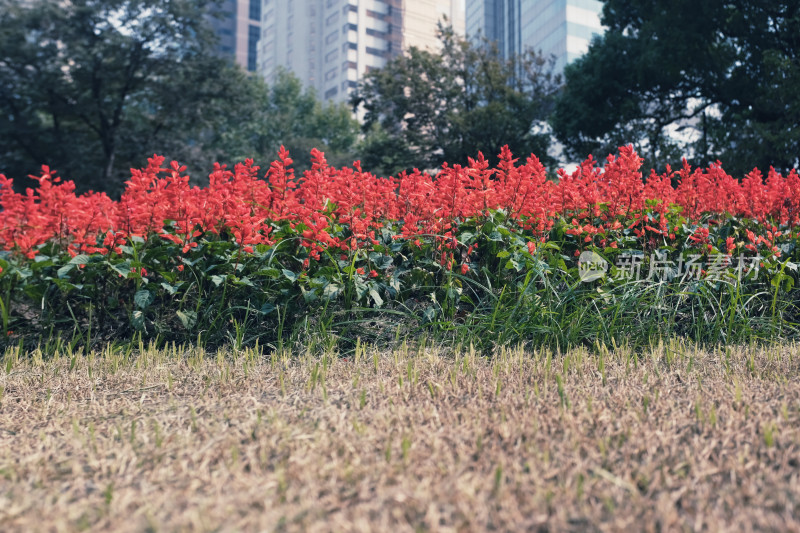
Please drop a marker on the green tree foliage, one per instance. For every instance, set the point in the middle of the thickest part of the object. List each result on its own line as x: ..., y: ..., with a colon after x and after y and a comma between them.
x: 93, y: 87
x: 424, y: 108
x: 725, y: 74
x: 283, y: 114
x: 90, y: 86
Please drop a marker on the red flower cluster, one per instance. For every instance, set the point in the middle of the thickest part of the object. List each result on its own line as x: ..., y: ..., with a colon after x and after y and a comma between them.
x: 598, y: 201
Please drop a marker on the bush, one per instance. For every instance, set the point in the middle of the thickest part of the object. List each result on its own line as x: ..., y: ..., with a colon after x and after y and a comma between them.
x: 474, y: 254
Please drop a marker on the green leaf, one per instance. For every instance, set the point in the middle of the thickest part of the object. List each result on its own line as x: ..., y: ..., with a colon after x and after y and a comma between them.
x: 122, y: 268
x: 35, y: 291
x: 40, y: 263
x: 309, y: 296
x: 331, y: 291
x: 243, y: 281
x: 80, y: 260
x: 62, y: 272
x: 454, y: 292
x: 171, y: 289
x: 376, y: 297
x: 273, y: 273
x: 143, y: 298
x: 382, y: 262
x: 361, y: 288
x: 288, y: 274
x: 187, y: 318
x: 63, y: 284
x: 216, y: 279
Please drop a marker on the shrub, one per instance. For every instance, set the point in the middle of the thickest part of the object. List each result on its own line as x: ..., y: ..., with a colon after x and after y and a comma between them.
x: 486, y: 254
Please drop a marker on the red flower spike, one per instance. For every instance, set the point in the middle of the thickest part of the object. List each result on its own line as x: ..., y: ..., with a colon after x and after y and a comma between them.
x: 598, y: 199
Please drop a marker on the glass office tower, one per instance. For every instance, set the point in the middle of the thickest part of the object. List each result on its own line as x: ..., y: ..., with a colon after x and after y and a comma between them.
x: 237, y: 24
x: 562, y: 28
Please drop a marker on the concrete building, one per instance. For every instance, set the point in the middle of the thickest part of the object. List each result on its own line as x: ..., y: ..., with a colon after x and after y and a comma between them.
x: 239, y: 28
x: 562, y: 28
x: 330, y: 44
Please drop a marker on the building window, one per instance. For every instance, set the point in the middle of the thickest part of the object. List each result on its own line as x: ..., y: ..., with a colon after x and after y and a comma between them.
x: 330, y: 74
x: 374, y: 51
x: 332, y: 55
x: 331, y: 37
x: 255, y: 10
x: 376, y: 33
x: 253, y: 33
x: 332, y: 19
x: 330, y: 93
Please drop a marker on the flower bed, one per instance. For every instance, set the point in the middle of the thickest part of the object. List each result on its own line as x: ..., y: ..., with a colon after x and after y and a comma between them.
x: 246, y: 257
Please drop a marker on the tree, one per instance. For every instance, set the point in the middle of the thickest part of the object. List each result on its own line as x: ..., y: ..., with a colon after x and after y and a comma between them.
x: 283, y: 114
x: 92, y: 87
x: 722, y: 75
x: 424, y: 108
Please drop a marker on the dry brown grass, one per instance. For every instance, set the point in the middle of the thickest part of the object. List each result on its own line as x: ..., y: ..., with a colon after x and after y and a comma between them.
x: 677, y: 439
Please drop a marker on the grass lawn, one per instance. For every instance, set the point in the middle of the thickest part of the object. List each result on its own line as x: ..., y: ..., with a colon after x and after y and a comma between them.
x: 673, y: 438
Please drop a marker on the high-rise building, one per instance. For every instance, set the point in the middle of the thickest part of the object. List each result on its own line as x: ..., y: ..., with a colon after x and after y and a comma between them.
x: 330, y: 44
x: 562, y: 28
x: 238, y: 26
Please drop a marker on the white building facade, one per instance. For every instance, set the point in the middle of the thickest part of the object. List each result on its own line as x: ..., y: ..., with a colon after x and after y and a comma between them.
x: 562, y: 28
x: 330, y: 44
